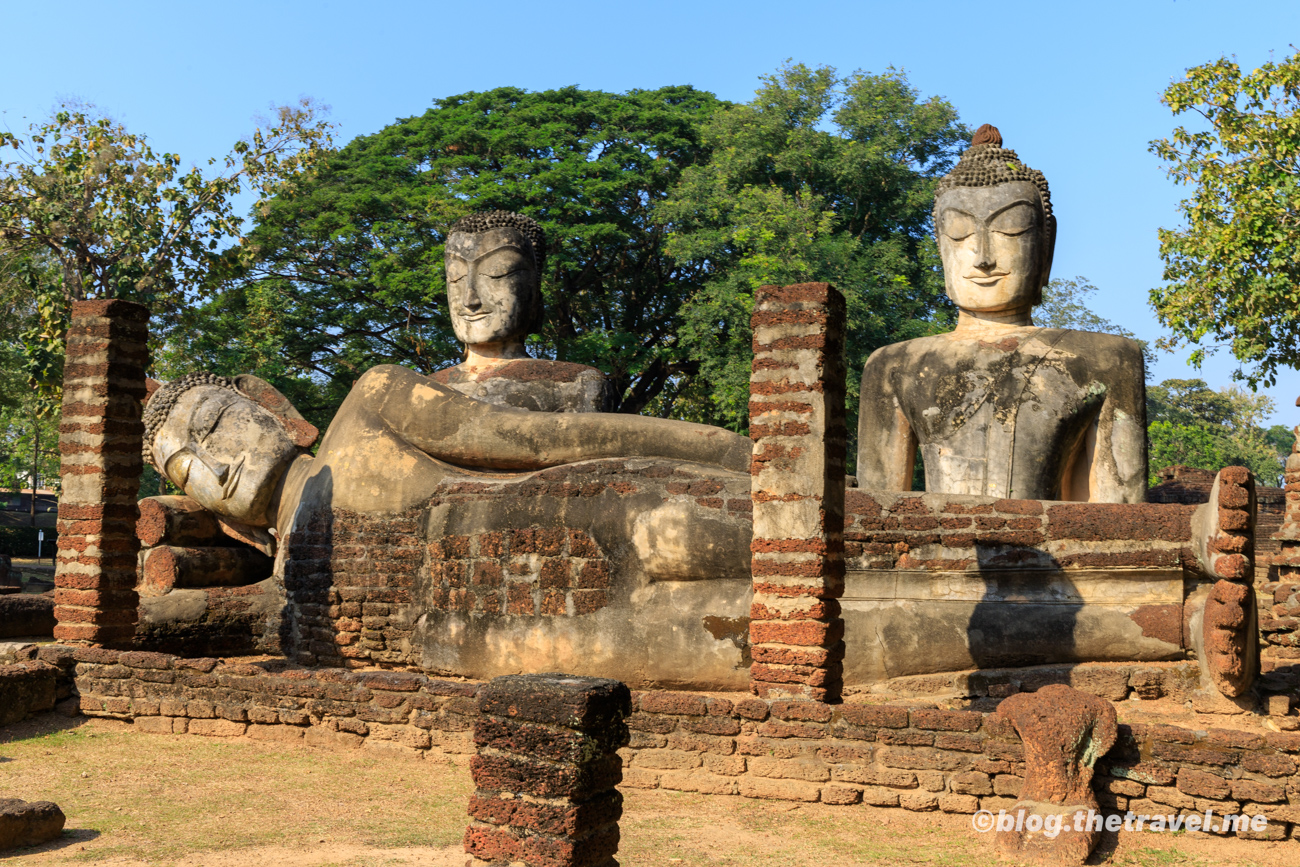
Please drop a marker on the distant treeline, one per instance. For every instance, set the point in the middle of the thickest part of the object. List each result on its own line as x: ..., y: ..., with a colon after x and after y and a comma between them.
x: 21, y: 541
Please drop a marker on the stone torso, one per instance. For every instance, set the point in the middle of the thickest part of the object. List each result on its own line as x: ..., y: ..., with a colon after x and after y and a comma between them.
x: 1000, y: 416
x: 534, y: 384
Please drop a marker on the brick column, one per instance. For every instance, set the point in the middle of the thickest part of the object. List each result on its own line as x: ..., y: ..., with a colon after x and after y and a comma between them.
x: 1283, y: 637
x: 99, y: 445
x: 546, y: 769
x: 1230, y: 624
x: 796, y: 420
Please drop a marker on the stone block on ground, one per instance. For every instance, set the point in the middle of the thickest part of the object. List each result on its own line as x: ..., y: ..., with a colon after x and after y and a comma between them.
x: 26, y: 688
x: 28, y: 823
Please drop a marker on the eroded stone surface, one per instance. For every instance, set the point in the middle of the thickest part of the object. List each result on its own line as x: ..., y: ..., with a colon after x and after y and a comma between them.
x: 1000, y: 407
x: 24, y: 823
x: 535, y: 384
x: 1065, y: 731
x: 494, y: 263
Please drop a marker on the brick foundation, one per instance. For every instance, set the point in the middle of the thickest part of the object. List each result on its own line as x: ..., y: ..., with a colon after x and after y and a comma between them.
x: 796, y: 420
x: 347, y: 577
x: 550, y: 571
x: 99, y: 444
x: 1280, y: 621
x: 546, y: 771
x: 270, y: 700
x: 887, y: 755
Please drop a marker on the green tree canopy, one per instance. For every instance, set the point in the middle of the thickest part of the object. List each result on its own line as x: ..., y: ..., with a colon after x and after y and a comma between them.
x: 28, y: 436
x: 1189, y: 423
x: 821, y: 177
x: 347, y: 267
x: 1233, y: 271
x: 113, y: 218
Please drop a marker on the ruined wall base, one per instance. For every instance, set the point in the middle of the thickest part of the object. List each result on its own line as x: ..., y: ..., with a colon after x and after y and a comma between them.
x: 886, y: 755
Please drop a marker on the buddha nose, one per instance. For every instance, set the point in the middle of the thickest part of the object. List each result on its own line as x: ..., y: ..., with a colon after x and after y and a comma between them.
x: 984, y: 257
x: 220, y: 469
x: 472, y: 301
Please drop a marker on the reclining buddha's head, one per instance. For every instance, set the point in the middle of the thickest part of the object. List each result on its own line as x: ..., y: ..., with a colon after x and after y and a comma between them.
x: 494, y: 268
x: 995, y: 227
x: 220, y: 446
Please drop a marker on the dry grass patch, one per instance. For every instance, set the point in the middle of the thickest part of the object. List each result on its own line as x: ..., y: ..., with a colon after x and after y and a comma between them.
x: 163, y: 797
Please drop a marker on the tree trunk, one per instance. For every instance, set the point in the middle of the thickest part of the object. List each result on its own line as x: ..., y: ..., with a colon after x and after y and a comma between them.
x: 36, y: 457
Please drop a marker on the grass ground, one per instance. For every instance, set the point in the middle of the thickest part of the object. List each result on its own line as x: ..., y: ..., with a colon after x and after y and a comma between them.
x: 134, y: 798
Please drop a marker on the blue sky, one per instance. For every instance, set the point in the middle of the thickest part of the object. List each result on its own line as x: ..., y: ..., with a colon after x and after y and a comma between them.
x: 1074, y: 88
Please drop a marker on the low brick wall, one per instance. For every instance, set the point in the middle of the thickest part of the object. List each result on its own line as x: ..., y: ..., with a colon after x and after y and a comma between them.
x: 1279, y: 622
x: 1279, y: 625
x: 877, y: 754
x: 270, y: 700
x: 949, y: 532
x: 954, y: 761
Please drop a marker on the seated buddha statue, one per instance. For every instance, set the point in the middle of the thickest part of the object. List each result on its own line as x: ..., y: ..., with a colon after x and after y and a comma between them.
x: 494, y: 265
x: 998, y: 406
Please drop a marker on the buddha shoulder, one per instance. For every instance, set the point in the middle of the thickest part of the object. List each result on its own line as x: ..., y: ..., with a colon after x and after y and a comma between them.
x: 1099, y: 347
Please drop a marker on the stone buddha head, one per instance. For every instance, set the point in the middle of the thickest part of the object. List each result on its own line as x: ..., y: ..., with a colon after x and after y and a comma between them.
x: 494, y: 268
x: 219, y: 446
x: 996, y: 231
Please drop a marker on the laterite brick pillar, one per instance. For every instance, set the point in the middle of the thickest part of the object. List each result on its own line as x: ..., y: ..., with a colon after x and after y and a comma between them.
x: 99, y: 447
x: 1230, y: 624
x: 796, y: 420
x: 1283, y: 651
x: 546, y: 771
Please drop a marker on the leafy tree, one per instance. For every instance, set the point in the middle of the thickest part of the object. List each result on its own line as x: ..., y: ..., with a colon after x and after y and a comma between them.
x: 1190, y: 445
x: 1282, y: 439
x: 1065, y: 305
x: 120, y: 220
x: 1189, y: 423
x: 347, y: 270
x: 28, y: 437
x: 820, y: 177
x: 1233, y: 272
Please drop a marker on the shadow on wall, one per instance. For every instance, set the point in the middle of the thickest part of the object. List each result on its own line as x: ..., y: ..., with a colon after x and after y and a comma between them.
x: 308, y: 634
x: 1028, y: 613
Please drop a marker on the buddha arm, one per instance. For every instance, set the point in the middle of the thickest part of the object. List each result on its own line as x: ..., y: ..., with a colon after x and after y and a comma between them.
x: 886, y: 443
x: 1119, y: 465
x: 460, y: 430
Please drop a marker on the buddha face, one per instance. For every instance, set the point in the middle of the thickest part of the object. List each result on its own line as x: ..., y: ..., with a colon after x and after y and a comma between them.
x: 491, y: 286
x: 224, y: 451
x: 994, y: 246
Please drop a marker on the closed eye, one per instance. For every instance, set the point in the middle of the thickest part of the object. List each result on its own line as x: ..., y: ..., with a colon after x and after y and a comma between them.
x: 212, y: 425
x: 506, y: 273
x: 1015, y: 220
